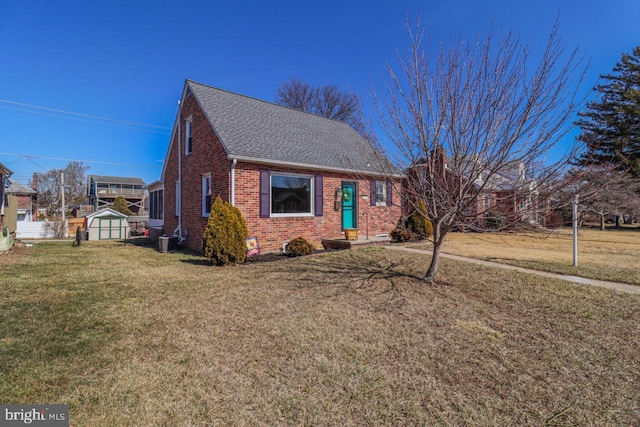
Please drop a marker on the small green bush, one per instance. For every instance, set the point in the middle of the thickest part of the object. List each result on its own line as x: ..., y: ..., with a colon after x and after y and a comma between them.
x: 299, y: 247
x: 399, y: 234
x: 418, y: 222
x: 495, y: 220
x: 224, y: 239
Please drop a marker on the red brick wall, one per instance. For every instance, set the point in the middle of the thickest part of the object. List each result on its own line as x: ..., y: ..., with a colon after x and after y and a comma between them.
x: 273, y: 232
x: 208, y: 156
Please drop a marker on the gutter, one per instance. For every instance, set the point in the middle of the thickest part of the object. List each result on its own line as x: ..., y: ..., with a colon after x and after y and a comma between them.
x: 316, y: 167
x: 233, y: 181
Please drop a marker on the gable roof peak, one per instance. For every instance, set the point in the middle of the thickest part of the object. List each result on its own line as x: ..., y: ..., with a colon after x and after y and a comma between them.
x: 274, y: 104
x: 259, y: 131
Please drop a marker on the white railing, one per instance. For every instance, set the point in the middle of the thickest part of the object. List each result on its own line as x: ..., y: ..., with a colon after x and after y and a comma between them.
x: 120, y: 192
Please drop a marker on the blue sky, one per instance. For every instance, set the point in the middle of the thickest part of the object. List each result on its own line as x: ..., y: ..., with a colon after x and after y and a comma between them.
x: 120, y: 66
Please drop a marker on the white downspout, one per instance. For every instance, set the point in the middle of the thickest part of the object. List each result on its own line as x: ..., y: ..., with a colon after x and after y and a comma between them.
x: 233, y: 182
x: 179, y: 229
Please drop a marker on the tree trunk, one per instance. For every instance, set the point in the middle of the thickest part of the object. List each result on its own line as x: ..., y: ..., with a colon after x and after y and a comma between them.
x: 602, y: 227
x: 617, y: 221
x: 430, y: 277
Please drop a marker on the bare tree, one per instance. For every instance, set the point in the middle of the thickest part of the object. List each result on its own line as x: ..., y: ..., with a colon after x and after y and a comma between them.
x: 327, y: 101
x: 298, y: 95
x: 49, y: 186
x: 602, y: 190
x: 473, y: 128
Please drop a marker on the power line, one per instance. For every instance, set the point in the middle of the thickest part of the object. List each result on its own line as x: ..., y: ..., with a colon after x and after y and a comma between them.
x: 5, y: 101
x: 86, y: 121
x: 31, y: 157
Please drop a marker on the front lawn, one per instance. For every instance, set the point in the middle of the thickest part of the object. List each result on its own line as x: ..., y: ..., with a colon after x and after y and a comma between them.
x: 127, y: 337
x: 611, y: 255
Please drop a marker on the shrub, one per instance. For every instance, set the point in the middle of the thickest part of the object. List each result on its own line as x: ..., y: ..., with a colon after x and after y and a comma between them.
x: 299, y: 247
x: 495, y: 220
x: 224, y: 237
x: 54, y: 228
x: 419, y: 223
x: 400, y: 234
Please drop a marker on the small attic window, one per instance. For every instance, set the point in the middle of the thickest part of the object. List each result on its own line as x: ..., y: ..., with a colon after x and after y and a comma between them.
x: 188, y: 136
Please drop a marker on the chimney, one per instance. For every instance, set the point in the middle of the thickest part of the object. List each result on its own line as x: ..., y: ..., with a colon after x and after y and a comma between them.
x: 439, y: 160
x: 34, y: 181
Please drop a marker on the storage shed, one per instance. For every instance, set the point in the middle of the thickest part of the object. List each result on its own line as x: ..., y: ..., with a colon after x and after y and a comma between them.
x: 107, y: 224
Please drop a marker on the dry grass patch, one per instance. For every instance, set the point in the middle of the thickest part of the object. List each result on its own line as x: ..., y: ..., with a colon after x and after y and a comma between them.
x: 604, y: 255
x: 132, y: 337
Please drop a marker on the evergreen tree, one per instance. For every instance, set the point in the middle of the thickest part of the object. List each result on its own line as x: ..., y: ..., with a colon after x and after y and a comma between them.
x: 610, y: 127
x: 120, y: 204
x: 223, y: 241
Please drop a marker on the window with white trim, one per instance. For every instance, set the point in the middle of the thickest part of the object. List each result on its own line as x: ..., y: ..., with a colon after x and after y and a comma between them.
x: 488, y: 201
x: 291, y: 195
x: 188, y: 136
x: 206, y: 194
x: 381, y: 193
x: 156, y: 204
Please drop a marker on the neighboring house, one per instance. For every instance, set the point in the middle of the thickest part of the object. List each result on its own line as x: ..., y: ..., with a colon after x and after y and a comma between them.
x: 289, y: 173
x: 106, y: 224
x: 103, y: 190
x: 516, y: 196
x: 510, y: 192
x: 5, y: 217
x: 26, y: 199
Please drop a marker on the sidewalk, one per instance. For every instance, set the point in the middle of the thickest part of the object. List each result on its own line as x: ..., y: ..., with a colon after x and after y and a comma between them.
x: 621, y: 287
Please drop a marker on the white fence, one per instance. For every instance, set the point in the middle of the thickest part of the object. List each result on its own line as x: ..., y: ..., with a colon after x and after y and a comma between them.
x: 34, y: 230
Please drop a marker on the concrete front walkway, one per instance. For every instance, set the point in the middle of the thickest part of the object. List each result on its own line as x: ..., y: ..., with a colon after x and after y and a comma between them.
x: 621, y: 287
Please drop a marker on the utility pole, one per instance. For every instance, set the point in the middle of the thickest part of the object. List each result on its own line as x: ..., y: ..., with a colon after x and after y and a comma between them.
x: 64, y: 210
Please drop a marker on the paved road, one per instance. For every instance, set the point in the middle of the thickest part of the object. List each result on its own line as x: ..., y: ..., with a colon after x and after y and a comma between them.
x: 622, y: 287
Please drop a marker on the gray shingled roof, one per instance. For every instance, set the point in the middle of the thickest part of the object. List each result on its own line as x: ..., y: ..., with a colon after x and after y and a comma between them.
x: 17, y: 188
x: 115, y: 180
x: 255, y: 130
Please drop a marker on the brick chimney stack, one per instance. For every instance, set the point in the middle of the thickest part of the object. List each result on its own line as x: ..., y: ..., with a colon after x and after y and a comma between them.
x: 439, y: 160
x: 34, y: 181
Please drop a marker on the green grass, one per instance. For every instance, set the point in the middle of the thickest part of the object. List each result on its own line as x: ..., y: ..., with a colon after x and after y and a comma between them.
x: 127, y: 336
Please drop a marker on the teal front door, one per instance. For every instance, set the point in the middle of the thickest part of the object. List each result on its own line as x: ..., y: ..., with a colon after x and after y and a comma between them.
x: 349, y: 205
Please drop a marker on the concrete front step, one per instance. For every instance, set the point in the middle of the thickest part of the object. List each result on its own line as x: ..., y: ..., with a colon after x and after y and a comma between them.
x: 342, y: 243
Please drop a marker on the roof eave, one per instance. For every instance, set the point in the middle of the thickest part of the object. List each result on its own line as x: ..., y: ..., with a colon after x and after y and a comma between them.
x: 5, y: 170
x: 272, y: 162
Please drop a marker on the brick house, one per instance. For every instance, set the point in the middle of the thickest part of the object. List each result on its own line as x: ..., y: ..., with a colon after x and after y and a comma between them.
x: 290, y: 173
x: 510, y: 192
x: 26, y: 198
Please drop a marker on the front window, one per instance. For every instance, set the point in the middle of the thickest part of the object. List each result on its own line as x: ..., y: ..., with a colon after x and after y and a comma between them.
x: 206, y: 194
x: 381, y: 193
x: 291, y: 195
